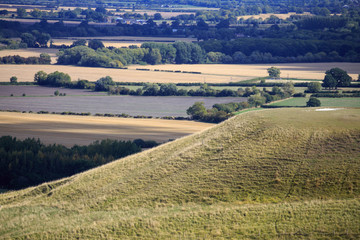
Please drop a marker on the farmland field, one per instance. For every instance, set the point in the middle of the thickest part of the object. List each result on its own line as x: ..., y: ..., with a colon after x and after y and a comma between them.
x: 215, y: 73
x: 7, y: 90
x: 288, y: 70
x: 82, y: 130
x: 132, y: 105
x: 107, y: 43
x: 25, y: 73
x: 325, y: 102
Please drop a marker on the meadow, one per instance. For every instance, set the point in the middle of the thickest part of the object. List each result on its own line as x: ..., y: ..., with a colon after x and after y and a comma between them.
x: 325, y: 102
x: 268, y: 174
x: 83, y: 130
x: 132, y: 105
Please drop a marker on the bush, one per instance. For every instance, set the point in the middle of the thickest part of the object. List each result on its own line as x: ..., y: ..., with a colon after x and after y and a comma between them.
x: 313, y: 102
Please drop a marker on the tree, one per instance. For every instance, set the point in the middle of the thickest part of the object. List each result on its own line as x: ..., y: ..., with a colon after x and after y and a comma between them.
x: 43, y: 39
x: 13, y: 79
x: 313, y: 87
x: 329, y: 82
x: 21, y: 12
x: 56, y: 93
x: 153, y: 57
x: 274, y: 72
x: 313, y: 102
x: 197, y: 111
x: 95, y: 44
x: 80, y: 42
x: 256, y: 100
x: 157, y: 16
x: 29, y: 39
x: 58, y: 79
x: 104, y: 83
x: 40, y: 77
x: 341, y: 77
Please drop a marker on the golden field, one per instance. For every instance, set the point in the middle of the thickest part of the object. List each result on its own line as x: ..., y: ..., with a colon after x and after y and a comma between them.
x: 267, y: 15
x: 83, y: 130
x: 214, y: 73
x: 288, y: 70
x: 25, y: 73
x: 107, y: 43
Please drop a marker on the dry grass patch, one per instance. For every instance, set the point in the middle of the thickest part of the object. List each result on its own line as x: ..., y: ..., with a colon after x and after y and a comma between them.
x: 82, y: 130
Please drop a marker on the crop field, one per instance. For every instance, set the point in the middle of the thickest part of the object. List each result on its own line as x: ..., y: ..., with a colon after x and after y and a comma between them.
x: 267, y: 15
x: 131, y: 105
x: 268, y: 174
x: 107, y: 43
x: 7, y: 90
x: 25, y: 73
x: 325, y: 102
x: 83, y: 130
x: 288, y: 70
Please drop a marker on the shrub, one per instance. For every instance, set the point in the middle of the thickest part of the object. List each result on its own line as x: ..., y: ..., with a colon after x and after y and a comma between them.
x: 313, y: 102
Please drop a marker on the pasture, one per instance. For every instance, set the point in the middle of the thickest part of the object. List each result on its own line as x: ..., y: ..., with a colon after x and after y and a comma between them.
x: 268, y: 174
x: 325, y: 102
x: 83, y: 130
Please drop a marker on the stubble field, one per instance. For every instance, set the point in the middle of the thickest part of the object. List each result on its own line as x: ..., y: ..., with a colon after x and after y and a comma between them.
x: 215, y: 73
x: 83, y: 130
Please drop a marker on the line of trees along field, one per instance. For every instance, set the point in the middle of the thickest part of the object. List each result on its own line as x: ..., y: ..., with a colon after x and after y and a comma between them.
x: 29, y: 162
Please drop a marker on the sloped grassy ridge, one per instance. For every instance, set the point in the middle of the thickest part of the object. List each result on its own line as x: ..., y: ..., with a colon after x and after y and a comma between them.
x: 265, y: 174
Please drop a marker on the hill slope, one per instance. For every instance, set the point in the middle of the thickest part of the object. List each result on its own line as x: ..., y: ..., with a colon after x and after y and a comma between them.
x: 264, y: 174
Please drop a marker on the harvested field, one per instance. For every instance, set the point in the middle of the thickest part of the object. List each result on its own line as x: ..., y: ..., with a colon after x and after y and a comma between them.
x: 107, y: 43
x: 7, y: 90
x: 82, y: 130
x: 291, y: 70
x: 25, y: 73
x: 131, y: 105
x: 267, y: 15
x: 31, y: 52
x: 132, y: 38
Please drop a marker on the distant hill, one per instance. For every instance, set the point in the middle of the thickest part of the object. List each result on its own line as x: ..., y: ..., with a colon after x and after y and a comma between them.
x: 269, y: 174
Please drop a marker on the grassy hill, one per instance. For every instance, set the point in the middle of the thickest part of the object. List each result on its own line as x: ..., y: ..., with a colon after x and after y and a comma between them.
x: 270, y: 174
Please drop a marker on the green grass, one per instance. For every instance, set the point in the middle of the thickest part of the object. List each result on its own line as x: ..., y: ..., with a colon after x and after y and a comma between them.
x: 325, y: 102
x: 267, y: 174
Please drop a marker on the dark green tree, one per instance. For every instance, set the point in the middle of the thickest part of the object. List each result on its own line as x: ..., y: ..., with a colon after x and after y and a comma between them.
x: 341, y: 77
x: 329, y: 82
x: 13, y: 79
x: 40, y: 77
x: 21, y: 12
x: 314, y: 87
x: 104, y: 83
x: 313, y: 102
x: 197, y: 111
x: 95, y: 44
x: 274, y: 72
x: 28, y: 39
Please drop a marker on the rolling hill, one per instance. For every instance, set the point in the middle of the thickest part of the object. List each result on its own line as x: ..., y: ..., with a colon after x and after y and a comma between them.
x: 270, y: 174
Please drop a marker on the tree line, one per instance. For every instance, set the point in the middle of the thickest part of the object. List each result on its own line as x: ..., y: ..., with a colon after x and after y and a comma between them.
x: 221, y: 112
x: 16, y: 59
x: 29, y: 162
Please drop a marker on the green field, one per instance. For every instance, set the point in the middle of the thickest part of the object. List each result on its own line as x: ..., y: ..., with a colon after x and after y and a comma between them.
x: 267, y: 174
x: 325, y: 102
